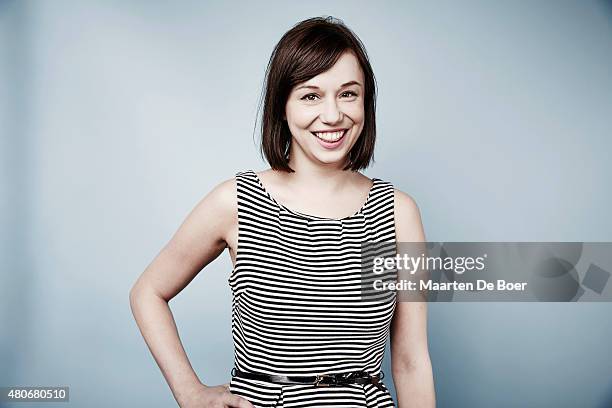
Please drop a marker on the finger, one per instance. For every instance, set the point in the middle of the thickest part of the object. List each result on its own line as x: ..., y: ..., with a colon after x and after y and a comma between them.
x: 226, y: 385
x: 236, y: 401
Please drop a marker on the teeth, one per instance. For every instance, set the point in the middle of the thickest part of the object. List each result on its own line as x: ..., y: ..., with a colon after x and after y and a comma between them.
x: 330, y: 136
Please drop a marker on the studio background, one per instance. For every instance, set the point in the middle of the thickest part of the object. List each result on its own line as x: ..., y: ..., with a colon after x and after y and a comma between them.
x: 117, y: 117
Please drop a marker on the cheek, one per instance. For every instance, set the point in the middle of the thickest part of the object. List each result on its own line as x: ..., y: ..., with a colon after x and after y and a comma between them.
x: 355, y: 112
x: 300, y: 117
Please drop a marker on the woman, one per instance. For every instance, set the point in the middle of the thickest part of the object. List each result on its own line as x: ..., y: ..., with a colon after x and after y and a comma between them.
x: 301, y: 336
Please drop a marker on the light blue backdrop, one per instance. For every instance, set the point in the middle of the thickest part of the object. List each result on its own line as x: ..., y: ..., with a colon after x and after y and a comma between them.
x: 118, y: 116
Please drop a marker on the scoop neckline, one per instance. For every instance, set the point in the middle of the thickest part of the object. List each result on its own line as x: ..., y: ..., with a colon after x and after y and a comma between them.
x: 375, y: 181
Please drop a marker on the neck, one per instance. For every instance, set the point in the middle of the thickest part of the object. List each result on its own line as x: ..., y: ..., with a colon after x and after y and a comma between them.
x: 326, y: 177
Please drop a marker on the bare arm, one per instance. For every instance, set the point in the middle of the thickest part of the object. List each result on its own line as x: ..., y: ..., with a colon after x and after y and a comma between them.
x: 410, y: 362
x: 198, y: 241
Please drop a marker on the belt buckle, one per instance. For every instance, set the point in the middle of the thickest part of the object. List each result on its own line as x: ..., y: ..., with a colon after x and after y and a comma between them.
x: 320, y: 377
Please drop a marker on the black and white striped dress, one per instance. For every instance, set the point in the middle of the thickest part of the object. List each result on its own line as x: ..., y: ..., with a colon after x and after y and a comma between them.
x: 294, y: 311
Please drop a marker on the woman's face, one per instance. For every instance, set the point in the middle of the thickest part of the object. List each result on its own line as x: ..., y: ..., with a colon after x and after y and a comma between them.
x: 325, y: 114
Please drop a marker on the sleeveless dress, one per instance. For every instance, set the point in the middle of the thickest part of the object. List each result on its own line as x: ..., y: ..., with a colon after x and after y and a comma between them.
x: 293, y: 306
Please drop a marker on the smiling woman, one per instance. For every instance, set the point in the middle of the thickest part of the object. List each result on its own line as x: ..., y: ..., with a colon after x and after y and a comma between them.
x: 330, y: 103
x: 320, y: 69
x: 303, y: 335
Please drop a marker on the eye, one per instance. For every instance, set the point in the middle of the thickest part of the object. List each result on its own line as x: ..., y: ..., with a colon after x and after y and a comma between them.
x: 306, y: 97
x: 310, y: 97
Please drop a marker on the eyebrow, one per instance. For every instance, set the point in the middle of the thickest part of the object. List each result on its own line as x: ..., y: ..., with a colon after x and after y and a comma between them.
x: 316, y: 87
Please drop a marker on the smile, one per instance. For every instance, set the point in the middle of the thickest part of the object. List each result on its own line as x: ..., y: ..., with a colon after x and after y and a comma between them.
x: 330, y: 137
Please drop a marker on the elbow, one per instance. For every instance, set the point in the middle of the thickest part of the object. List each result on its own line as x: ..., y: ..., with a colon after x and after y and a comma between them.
x: 137, y: 293
x: 133, y: 296
x: 142, y: 293
x: 406, y: 365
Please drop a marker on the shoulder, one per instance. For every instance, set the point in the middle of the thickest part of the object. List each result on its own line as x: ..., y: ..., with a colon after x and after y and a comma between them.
x: 217, y: 211
x: 408, y: 224
x: 404, y: 202
x: 204, y: 232
x: 224, y: 193
x: 269, y: 177
x: 364, y: 182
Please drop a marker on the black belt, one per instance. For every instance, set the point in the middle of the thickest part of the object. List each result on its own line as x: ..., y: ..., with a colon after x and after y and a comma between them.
x: 322, y: 380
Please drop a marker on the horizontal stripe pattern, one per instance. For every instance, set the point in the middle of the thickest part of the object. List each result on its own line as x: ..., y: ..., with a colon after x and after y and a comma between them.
x: 296, y: 299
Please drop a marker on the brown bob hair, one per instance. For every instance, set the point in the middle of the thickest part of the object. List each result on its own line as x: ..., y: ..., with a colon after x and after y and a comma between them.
x: 308, y: 49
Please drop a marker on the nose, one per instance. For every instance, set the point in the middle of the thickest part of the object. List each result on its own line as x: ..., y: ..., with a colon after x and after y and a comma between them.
x: 331, y: 113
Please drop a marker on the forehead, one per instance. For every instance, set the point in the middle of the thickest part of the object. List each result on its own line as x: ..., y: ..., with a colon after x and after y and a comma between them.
x: 346, y: 69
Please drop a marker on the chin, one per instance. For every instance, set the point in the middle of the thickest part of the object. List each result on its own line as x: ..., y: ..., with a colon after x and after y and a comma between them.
x: 329, y: 159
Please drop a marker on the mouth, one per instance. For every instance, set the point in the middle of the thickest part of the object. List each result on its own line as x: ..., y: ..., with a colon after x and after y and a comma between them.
x: 330, y: 139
